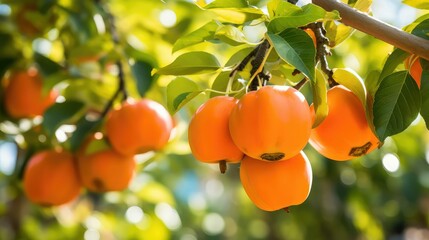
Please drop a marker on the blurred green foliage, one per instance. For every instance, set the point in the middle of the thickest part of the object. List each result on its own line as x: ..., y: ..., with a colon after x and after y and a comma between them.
x: 384, y: 195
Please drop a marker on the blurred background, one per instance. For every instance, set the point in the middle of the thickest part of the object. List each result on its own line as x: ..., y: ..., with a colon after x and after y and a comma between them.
x: 384, y: 195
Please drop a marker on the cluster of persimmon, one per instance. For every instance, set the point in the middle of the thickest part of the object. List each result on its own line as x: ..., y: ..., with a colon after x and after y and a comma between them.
x: 266, y: 130
x: 57, y: 176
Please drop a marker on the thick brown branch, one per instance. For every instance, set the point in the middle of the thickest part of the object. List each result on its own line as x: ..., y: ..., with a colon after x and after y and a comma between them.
x: 367, y: 24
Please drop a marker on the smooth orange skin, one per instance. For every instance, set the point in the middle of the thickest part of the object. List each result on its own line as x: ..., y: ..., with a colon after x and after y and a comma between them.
x: 23, y: 95
x: 312, y: 35
x: 276, y: 185
x: 106, y: 170
x: 270, y: 120
x: 138, y: 127
x: 412, y: 63
x: 51, y: 178
x: 344, y: 128
x: 208, y: 132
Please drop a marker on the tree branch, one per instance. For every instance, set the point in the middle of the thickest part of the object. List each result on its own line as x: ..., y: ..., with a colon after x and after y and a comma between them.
x: 367, y: 24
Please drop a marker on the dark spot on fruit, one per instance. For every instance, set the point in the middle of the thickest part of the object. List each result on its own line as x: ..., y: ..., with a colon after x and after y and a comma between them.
x: 360, y: 151
x: 273, y: 156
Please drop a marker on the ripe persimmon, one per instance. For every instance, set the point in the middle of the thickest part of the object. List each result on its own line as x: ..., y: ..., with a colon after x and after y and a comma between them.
x: 345, y: 133
x: 51, y: 178
x: 276, y: 185
x: 272, y: 123
x: 23, y: 95
x: 106, y: 170
x: 412, y: 63
x: 139, y: 126
x: 208, y: 132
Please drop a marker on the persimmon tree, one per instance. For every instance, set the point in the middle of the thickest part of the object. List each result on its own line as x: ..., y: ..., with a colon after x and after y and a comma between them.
x: 255, y: 81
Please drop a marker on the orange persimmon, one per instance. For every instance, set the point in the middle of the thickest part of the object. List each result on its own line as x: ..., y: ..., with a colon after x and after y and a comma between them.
x: 23, y: 95
x: 208, y: 132
x: 139, y: 126
x: 272, y: 123
x: 345, y: 133
x: 106, y: 170
x: 51, y: 178
x: 276, y: 185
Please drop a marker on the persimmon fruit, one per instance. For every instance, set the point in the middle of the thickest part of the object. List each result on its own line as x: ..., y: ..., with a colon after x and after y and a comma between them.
x: 272, y: 123
x: 344, y: 134
x: 106, y: 170
x: 208, y: 132
x: 138, y: 127
x: 23, y: 96
x: 277, y: 185
x: 412, y: 63
x: 51, y: 178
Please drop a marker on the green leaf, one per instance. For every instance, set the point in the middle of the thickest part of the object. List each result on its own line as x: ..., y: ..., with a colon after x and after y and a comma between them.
x: 292, y: 19
x: 320, y: 98
x: 237, y: 15
x: 84, y: 127
x: 352, y: 81
x: 59, y: 113
x: 231, y: 35
x: 238, y: 56
x: 204, y: 33
x: 337, y: 33
x: 424, y: 91
x: 183, y: 99
x: 395, y: 58
x: 221, y: 83
x: 141, y: 71
x: 422, y: 29
x: 227, y: 4
x: 46, y: 65
x: 296, y: 48
x: 176, y: 88
x: 396, y: 104
x: 191, y: 63
x: 421, y: 4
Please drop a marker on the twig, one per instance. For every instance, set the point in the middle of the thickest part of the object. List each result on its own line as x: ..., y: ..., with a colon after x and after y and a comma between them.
x: 121, y: 76
x: 322, y: 51
x: 367, y: 24
x: 301, y: 83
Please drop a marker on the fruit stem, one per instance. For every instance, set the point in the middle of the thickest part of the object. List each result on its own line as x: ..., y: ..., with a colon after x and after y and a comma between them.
x: 222, y: 166
x: 322, y: 51
x: 229, y: 86
x: 286, y: 209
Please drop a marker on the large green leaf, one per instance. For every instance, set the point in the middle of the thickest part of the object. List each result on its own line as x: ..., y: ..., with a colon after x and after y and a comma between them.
x: 320, y: 98
x: 180, y: 91
x: 237, y: 15
x: 352, y: 81
x: 395, y: 58
x: 191, y: 63
x: 396, y: 104
x: 46, y: 65
x: 422, y: 29
x: 204, y: 33
x: 141, y: 71
x: 422, y: 4
x: 296, y: 48
x: 291, y: 19
x: 231, y: 35
x: 227, y: 4
x: 58, y: 113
